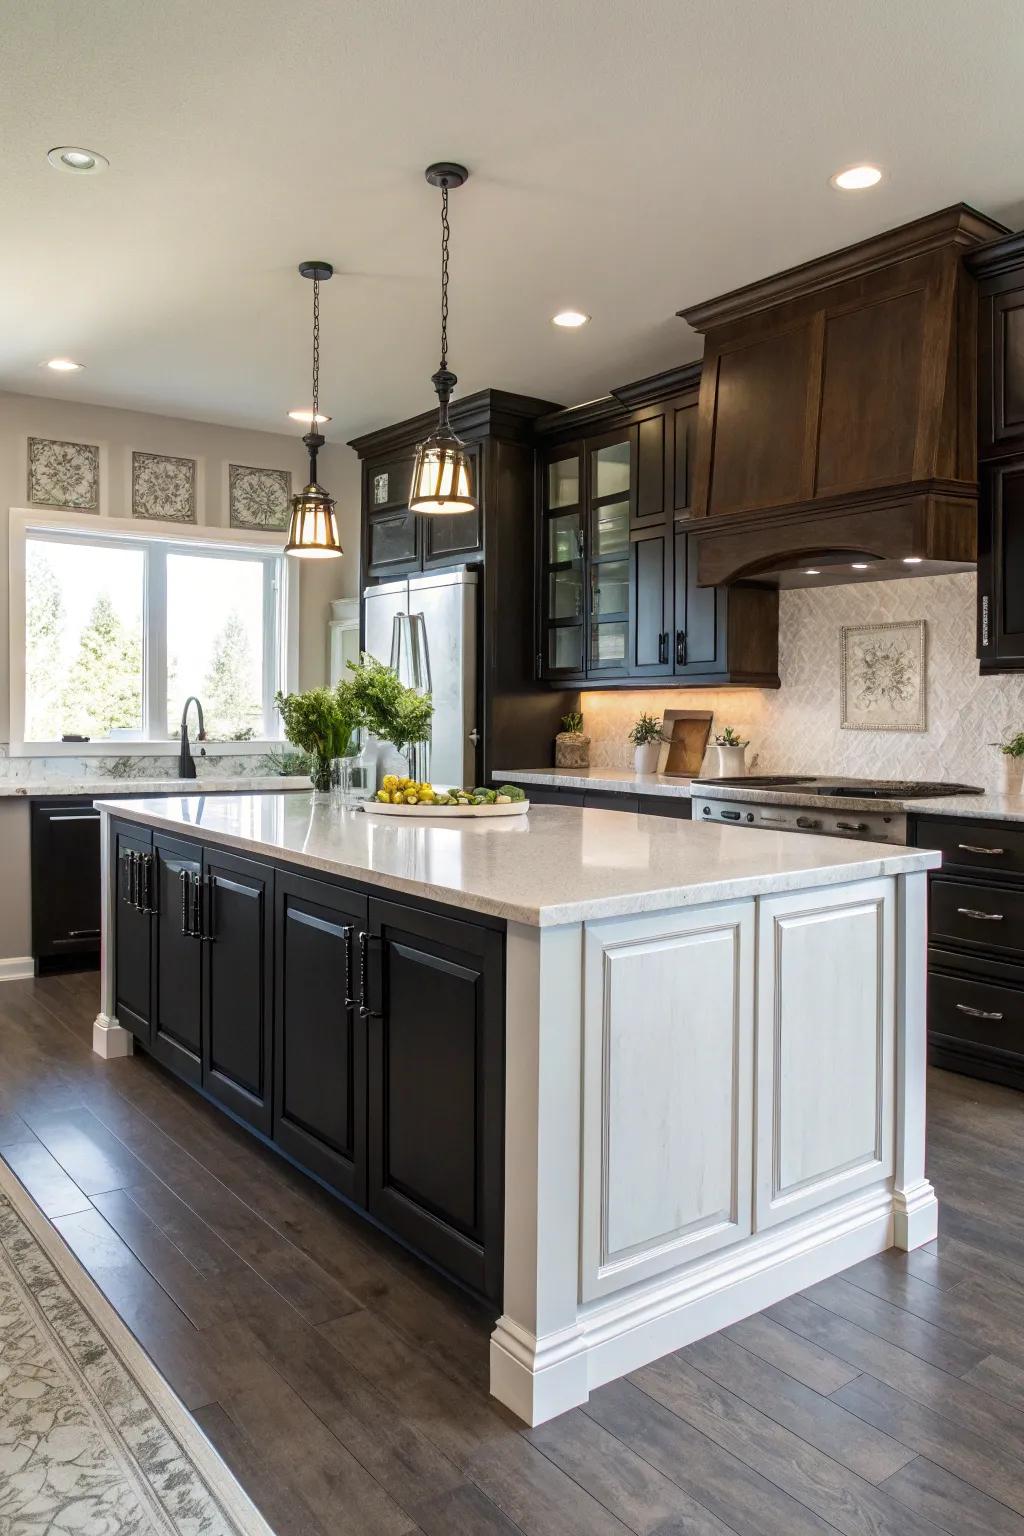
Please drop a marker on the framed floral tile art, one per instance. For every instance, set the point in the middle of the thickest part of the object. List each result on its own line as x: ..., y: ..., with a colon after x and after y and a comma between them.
x: 63, y: 474
x: 258, y: 498
x: 163, y: 487
x: 883, y: 677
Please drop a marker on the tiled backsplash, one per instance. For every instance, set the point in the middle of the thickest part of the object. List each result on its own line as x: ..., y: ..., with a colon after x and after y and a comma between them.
x: 796, y: 728
x: 164, y: 766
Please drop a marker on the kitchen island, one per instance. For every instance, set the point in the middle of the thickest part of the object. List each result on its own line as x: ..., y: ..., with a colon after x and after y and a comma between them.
x: 629, y: 1078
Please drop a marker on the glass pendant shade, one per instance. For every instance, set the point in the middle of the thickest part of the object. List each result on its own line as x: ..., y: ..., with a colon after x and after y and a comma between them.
x: 442, y: 478
x: 313, y: 530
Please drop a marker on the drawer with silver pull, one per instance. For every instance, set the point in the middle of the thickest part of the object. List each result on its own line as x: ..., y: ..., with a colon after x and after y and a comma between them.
x: 978, y: 916
x: 993, y: 848
x: 962, y: 1008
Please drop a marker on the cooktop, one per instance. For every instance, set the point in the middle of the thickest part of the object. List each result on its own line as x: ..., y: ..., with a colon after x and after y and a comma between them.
x: 854, y: 789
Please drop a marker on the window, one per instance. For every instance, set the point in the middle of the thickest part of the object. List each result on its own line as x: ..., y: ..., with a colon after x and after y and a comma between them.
x: 120, y: 629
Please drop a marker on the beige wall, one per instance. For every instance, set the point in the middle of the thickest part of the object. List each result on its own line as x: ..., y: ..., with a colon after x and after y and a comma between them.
x: 15, y: 886
x: 214, y: 447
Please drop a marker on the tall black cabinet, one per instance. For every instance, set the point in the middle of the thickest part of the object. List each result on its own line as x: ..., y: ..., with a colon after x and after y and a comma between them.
x: 517, y: 719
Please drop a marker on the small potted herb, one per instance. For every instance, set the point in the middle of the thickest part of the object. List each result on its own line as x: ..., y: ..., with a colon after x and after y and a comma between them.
x: 572, y: 748
x: 646, y: 738
x: 732, y: 754
x: 1011, y: 761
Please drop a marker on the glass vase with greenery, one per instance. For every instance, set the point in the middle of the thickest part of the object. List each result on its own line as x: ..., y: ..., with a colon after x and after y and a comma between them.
x: 393, y: 712
x: 322, y: 722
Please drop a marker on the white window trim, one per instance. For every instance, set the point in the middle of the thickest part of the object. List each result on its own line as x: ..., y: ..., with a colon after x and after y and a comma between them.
x: 24, y: 520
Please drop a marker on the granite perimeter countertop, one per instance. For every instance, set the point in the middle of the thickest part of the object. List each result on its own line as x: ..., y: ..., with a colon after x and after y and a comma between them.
x: 618, y: 780
x: 57, y: 788
x: 557, y: 864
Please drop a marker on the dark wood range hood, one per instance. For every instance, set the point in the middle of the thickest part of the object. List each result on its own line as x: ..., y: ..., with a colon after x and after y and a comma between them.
x: 837, y: 415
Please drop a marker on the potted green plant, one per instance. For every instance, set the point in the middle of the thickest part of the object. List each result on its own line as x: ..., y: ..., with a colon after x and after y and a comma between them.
x: 393, y: 712
x: 322, y: 722
x: 646, y: 738
x: 572, y: 748
x: 1011, y: 761
x: 732, y: 754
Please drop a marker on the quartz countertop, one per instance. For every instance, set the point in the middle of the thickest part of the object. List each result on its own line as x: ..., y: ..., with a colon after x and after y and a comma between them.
x: 618, y: 780
x: 558, y: 864
x: 58, y: 788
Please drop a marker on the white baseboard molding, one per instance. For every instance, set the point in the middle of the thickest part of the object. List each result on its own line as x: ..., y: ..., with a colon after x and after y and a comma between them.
x: 109, y: 1040
x: 17, y: 968
x: 538, y: 1379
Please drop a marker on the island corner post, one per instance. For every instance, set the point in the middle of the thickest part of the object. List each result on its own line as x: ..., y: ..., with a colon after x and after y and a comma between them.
x: 707, y: 1105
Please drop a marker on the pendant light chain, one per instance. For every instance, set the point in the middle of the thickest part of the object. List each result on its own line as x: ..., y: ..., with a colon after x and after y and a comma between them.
x: 445, y: 238
x: 316, y: 351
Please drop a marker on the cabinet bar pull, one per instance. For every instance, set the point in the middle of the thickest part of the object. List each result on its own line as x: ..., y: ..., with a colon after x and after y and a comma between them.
x: 204, y: 889
x: 75, y: 816
x: 365, y: 1011
x: 976, y: 848
x: 84, y: 933
x: 134, y: 898
x: 185, y: 881
x: 851, y: 826
x: 680, y: 647
x: 350, y: 1001
x: 982, y: 917
x: 977, y: 1013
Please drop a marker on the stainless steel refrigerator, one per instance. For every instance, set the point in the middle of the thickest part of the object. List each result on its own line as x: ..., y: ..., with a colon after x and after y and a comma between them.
x: 426, y: 628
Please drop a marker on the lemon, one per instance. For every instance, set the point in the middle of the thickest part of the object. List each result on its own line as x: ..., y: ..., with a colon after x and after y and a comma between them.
x: 389, y: 782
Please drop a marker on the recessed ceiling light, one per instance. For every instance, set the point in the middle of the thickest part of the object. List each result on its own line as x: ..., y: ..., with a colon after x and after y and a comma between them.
x: 316, y: 419
x: 812, y: 572
x: 912, y: 559
x: 570, y: 319
x: 856, y: 178
x: 62, y: 365
x: 80, y: 162
x: 859, y: 565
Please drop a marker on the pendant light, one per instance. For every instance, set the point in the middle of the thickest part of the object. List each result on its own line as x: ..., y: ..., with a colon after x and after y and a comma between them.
x: 313, y: 530
x: 442, y: 478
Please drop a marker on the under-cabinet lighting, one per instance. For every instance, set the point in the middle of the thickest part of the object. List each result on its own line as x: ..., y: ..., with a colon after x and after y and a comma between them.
x: 856, y: 178
x: 912, y: 559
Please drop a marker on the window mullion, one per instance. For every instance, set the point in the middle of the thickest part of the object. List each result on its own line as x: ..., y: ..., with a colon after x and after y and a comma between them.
x: 156, y: 726
x: 271, y: 648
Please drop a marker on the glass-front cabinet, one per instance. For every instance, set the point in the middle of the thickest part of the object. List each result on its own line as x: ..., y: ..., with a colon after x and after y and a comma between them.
x: 587, y: 493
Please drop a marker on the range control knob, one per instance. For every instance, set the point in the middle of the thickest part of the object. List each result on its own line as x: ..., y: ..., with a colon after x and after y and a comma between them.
x: 705, y: 810
x: 750, y: 816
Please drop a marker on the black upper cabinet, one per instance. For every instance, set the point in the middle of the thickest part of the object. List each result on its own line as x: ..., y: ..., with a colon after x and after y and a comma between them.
x: 177, y: 957
x: 237, y: 950
x: 319, y: 1032
x: 132, y: 852
x: 434, y: 991
x: 999, y: 268
x: 65, y: 882
x: 618, y: 599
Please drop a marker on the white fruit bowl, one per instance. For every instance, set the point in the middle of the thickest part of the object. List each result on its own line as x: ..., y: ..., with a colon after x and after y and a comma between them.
x: 381, y: 808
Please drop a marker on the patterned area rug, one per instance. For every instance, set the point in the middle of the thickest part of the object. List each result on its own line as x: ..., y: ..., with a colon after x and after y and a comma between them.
x: 92, y: 1440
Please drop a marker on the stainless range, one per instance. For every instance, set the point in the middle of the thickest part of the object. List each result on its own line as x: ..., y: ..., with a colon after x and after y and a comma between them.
x: 874, y: 810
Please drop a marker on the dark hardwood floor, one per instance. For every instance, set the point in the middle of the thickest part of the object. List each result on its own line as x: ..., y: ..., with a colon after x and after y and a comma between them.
x: 346, y: 1384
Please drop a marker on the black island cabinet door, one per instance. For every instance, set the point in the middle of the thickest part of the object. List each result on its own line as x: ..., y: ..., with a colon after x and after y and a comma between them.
x: 319, y: 1033
x: 434, y: 990
x: 65, y: 880
x: 177, y: 957
x: 133, y: 863
x: 237, y: 944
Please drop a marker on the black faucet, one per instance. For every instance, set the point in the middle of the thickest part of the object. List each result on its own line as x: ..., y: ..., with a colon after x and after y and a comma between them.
x: 186, y: 764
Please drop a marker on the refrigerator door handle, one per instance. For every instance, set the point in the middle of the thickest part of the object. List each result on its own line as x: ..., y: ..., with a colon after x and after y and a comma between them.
x: 420, y: 651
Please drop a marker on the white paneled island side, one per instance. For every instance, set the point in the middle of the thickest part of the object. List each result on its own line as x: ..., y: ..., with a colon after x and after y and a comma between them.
x: 710, y: 1048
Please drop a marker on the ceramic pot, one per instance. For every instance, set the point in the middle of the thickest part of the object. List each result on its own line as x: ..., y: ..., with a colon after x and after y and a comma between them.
x: 645, y: 758
x: 572, y: 750
x: 732, y: 761
x: 1011, y: 778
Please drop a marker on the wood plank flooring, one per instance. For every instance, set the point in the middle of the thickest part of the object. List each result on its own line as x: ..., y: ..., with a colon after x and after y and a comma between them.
x: 346, y: 1384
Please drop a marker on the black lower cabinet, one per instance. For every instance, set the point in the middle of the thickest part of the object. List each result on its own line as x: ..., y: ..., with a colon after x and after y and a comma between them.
x: 434, y: 988
x: 132, y: 854
x: 177, y: 957
x: 237, y: 953
x: 320, y: 1032
x: 65, y: 885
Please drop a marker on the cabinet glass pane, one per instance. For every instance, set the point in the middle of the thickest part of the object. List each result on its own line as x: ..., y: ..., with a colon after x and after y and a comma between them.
x: 393, y: 538
x: 565, y: 594
x: 611, y: 587
x: 564, y: 482
x: 609, y: 469
x: 565, y: 648
x: 611, y: 528
x: 565, y: 538
x: 608, y: 644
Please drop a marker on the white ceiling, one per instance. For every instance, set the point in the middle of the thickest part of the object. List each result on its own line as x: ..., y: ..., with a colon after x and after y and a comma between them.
x: 627, y: 157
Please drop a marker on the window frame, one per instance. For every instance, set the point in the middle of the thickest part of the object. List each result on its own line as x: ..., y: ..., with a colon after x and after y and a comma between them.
x: 280, y: 639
